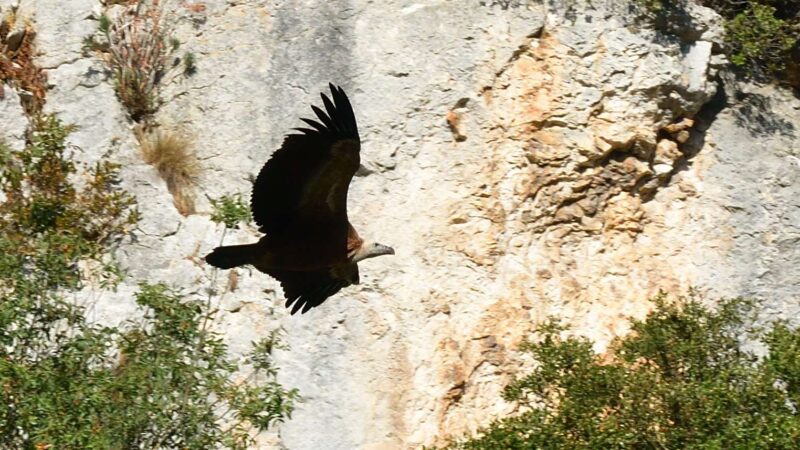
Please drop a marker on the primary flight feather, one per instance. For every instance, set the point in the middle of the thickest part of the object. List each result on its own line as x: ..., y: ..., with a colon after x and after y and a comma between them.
x: 299, y: 201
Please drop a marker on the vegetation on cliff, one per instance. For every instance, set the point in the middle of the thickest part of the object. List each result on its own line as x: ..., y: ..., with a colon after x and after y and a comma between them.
x: 165, y: 380
x: 762, y: 37
x: 141, y: 55
x: 680, y: 379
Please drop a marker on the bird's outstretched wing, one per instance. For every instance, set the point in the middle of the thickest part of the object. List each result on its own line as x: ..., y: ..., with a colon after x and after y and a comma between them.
x: 306, y: 290
x: 306, y: 180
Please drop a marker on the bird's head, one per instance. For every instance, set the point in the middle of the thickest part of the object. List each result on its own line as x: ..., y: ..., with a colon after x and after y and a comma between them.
x: 371, y: 250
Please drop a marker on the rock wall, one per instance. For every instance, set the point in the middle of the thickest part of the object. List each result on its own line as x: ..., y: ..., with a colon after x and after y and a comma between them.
x: 524, y: 160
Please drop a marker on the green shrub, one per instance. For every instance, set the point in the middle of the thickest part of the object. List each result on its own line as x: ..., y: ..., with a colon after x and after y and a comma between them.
x: 46, y: 224
x: 758, y: 40
x: 759, y: 34
x: 163, y: 381
x: 784, y: 9
x: 680, y: 379
x: 230, y: 210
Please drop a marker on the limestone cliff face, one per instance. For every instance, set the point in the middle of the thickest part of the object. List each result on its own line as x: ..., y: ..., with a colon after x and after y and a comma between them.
x: 523, y: 160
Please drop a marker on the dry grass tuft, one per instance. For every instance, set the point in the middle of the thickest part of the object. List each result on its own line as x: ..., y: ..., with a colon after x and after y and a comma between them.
x: 171, y: 153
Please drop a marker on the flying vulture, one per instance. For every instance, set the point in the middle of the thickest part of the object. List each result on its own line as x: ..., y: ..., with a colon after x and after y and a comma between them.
x: 299, y: 201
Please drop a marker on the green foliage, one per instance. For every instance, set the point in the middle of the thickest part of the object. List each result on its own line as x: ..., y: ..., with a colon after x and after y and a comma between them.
x: 104, y: 24
x: 758, y: 40
x: 46, y: 225
x: 173, y: 383
x: 165, y: 384
x: 164, y: 381
x: 680, y: 379
x: 189, y: 64
x: 784, y: 9
x: 782, y: 361
x: 759, y: 34
x: 230, y: 210
x: 651, y: 8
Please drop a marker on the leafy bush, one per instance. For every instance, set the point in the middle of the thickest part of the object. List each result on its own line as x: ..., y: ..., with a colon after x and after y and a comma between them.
x: 230, y: 210
x: 47, y: 226
x: 784, y: 9
x: 680, y: 379
x: 758, y: 40
x: 760, y: 34
x: 164, y: 381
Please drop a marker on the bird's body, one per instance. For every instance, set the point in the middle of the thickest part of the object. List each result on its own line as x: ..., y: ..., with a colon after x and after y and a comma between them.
x: 300, y: 201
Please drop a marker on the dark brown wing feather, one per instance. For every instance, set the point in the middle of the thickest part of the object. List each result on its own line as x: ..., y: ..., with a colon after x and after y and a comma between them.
x: 307, y: 290
x: 308, y: 177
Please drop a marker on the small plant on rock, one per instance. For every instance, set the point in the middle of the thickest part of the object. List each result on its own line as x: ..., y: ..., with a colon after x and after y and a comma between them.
x: 230, y: 210
x: 189, y: 64
x: 140, y: 53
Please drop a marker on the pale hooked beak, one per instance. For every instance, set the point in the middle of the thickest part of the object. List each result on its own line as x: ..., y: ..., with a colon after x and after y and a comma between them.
x: 381, y: 249
x: 371, y: 251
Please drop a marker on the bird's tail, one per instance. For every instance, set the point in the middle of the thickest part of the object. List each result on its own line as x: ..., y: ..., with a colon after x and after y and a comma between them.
x: 232, y: 255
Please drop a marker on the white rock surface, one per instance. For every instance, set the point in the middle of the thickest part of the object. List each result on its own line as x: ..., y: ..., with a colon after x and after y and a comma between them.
x: 12, y: 119
x: 552, y: 204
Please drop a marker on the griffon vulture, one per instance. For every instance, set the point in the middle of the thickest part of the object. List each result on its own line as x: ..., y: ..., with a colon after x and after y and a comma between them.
x: 300, y: 201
